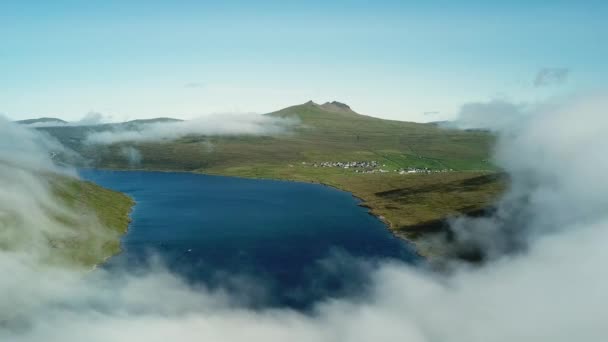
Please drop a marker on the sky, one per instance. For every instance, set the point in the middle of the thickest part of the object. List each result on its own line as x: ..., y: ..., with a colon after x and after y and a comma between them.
x: 405, y: 60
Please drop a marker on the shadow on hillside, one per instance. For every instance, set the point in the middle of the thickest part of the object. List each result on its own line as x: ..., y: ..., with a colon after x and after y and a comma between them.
x: 466, y: 185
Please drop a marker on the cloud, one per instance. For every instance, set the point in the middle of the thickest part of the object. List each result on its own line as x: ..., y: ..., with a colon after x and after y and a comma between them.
x: 554, y: 289
x: 26, y: 148
x: 90, y: 119
x: 544, y: 152
x: 132, y: 155
x: 493, y: 115
x: 218, y: 124
x: 551, y: 76
x: 31, y: 216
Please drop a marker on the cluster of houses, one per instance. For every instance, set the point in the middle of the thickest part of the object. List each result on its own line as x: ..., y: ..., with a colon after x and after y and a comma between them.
x: 373, y: 167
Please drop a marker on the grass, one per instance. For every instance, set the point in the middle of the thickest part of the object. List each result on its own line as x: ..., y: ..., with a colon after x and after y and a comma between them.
x: 103, y: 217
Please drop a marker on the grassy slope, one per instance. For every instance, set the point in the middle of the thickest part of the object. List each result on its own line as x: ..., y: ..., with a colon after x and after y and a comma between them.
x: 103, y: 219
x: 322, y: 136
x: 335, y: 133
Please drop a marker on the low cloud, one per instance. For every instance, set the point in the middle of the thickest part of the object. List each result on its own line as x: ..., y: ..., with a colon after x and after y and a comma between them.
x: 90, y: 119
x: 553, y: 290
x: 493, y: 115
x: 551, y: 76
x: 132, y: 155
x: 213, y: 125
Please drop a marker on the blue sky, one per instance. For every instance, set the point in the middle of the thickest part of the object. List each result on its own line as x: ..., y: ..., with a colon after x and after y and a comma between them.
x: 393, y: 59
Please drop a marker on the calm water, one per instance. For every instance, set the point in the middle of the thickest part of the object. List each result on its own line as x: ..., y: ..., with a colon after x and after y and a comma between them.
x: 273, y: 242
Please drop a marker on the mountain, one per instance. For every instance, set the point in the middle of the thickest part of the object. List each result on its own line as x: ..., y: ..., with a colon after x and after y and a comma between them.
x: 337, y: 107
x: 151, y: 121
x: 136, y: 124
x: 310, y: 106
x: 41, y: 121
x: 310, y: 112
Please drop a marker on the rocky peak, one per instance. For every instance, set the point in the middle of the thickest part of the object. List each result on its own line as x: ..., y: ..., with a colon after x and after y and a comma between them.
x: 336, y: 106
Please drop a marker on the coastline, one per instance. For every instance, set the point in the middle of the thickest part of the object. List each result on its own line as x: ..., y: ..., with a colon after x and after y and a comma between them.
x: 122, y: 235
x: 389, y: 226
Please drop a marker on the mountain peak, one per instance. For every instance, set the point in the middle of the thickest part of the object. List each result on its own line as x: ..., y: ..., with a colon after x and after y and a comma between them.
x: 336, y: 106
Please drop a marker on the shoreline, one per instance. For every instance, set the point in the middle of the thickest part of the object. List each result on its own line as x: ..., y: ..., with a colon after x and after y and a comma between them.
x: 389, y: 226
x: 126, y: 231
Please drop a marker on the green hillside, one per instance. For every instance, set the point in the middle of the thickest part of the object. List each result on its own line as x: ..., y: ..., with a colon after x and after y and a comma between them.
x: 103, y: 217
x: 325, y: 133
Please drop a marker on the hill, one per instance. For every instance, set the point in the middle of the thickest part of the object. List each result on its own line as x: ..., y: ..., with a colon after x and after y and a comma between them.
x: 153, y: 120
x: 103, y: 219
x: 149, y: 121
x: 52, y: 121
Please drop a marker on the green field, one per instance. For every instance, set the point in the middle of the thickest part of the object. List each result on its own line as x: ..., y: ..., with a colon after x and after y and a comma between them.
x: 332, y: 132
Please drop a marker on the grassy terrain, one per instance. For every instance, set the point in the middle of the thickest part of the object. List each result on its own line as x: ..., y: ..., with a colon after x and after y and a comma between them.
x: 103, y: 217
x: 325, y: 133
x: 333, y: 132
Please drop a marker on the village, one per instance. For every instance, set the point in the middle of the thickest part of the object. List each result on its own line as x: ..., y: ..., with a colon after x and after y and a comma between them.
x: 374, y: 167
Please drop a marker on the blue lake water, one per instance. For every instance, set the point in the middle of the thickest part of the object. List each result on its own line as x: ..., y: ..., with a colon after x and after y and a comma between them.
x: 274, y: 242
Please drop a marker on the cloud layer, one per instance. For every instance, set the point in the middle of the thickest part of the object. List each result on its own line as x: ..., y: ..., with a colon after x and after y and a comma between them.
x: 227, y: 124
x: 494, y: 115
x: 551, y: 289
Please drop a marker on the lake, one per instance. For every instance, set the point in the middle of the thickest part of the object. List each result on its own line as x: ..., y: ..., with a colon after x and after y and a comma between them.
x: 273, y: 243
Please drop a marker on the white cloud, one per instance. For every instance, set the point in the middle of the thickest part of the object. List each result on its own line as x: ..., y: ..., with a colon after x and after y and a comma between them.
x: 494, y: 115
x: 218, y: 124
x: 132, y: 155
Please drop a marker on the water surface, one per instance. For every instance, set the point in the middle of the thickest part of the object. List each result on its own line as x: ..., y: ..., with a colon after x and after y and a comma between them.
x: 281, y: 243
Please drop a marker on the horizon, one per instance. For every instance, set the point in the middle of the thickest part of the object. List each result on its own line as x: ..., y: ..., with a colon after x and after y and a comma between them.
x: 187, y: 59
x: 94, y: 118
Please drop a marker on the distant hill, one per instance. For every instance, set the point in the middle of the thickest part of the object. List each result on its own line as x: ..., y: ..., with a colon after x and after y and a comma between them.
x: 41, y: 121
x: 150, y: 121
x: 136, y: 123
x: 56, y: 121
